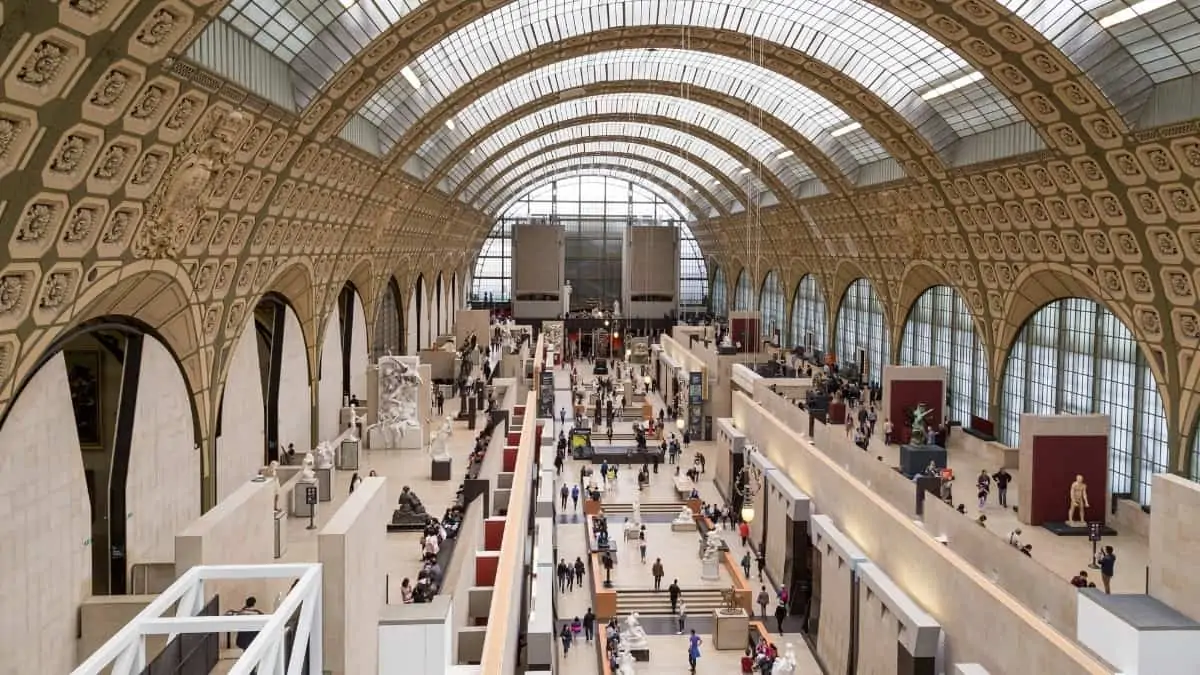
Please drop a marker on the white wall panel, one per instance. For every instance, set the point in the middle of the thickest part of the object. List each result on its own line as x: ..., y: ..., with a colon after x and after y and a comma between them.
x: 243, y: 421
x: 45, y: 524
x: 329, y: 387
x: 162, y: 492
x: 359, y: 357
x: 295, y: 399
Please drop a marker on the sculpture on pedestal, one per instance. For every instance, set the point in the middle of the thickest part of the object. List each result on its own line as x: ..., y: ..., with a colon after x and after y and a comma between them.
x: 712, y: 546
x: 439, y: 448
x: 918, y: 424
x: 625, y: 663
x: 786, y: 663
x: 633, y: 636
x: 616, y: 308
x: 399, y: 388
x: 685, y: 517
x: 1079, y: 501
x: 566, y: 299
x: 355, y: 420
x: 324, y: 455
x: 410, y: 512
x: 307, y: 475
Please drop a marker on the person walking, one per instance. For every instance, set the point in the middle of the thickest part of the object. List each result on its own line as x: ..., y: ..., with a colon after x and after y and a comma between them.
x: 1002, y: 478
x: 1107, y: 563
x: 744, y: 533
x: 762, y: 564
x: 693, y: 650
x: 780, y: 614
x: 984, y: 484
x: 562, y: 416
x: 575, y: 497
x: 673, y: 591
x: 746, y: 564
x: 764, y: 599
x: 642, y: 543
x: 566, y: 637
x: 656, y: 570
x: 682, y: 617
x: 441, y: 402
x: 562, y: 575
x: 579, y: 570
x: 589, y: 625
x: 563, y: 493
x: 609, y: 433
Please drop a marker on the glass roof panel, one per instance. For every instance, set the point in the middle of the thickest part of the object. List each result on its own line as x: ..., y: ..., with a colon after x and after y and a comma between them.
x: 482, y: 191
x: 756, y: 141
x: 316, y: 36
x: 536, y: 181
x: 884, y: 53
x: 808, y: 113
x: 688, y: 145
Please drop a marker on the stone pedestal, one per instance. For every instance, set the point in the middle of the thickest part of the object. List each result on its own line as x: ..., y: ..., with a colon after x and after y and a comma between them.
x: 324, y: 484
x: 347, y: 456
x: 710, y: 570
x: 731, y: 629
x: 440, y: 469
x: 681, y: 526
x: 300, y: 507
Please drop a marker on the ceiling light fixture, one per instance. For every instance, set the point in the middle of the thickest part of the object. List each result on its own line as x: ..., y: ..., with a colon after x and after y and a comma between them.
x: 853, y: 126
x: 409, y: 75
x: 952, y: 85
x: 1129, y: 13
x: 745, y: 170
x: 785, y: 154
x: 450, y: 124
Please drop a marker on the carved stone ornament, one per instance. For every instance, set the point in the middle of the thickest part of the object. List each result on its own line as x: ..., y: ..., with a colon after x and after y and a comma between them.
x: 148, y: 104
x: 9, y: 129
x: 69, y: 155
x: 187, y: 184
x: 88, y: 7
x: 79, y: 225
x: 12, y: 288
x: 35, y: 223
x: 110, y: 89
x: 43, y: 65
x: 159, y: 28
x: 119, y: 225
x: 112, y: 162
x: 54, y: 291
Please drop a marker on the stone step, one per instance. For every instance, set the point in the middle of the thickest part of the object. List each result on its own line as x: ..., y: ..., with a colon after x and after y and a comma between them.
x: 627, y: 509
x: 658, y: 603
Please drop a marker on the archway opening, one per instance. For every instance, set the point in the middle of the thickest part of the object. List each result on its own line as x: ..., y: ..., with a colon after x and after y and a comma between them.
x: 939, y: 331
x: 863, y: 347
x: 389, y: 323
x: 810, y: 323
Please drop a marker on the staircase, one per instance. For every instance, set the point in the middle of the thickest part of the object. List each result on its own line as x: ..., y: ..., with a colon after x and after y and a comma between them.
x: 658, y: 603
x: 659, y: 508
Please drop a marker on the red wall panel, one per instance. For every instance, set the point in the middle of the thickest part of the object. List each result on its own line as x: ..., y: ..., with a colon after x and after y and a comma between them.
x: 510, y: 459
x: 1056, y: 462
x: 493, y: 533
x: 907, y: 394
x: 485, y: 568
x: 745, y: 331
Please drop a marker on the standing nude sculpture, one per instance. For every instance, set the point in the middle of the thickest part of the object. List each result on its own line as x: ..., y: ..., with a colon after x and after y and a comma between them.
x: 1079, y: 501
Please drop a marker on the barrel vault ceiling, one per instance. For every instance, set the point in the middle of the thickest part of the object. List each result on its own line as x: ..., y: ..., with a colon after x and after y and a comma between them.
x: 998, y: 146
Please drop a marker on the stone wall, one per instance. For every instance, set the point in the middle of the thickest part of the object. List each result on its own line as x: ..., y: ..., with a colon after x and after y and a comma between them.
x: 241, y: 445
x: 1174, y: 545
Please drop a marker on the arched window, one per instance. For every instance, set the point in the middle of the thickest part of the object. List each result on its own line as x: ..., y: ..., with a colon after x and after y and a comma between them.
x: 862, y: 331
x: 720, y: 294
x: 770, y: 308
x: 594, y: 211
x: 809, y: 322
x: 1075, y: 357
x: 940, y: 332
x: 743, y: 297
x: 1194, y: 469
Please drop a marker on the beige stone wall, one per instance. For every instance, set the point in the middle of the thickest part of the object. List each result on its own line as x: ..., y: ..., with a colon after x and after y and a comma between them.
x: 878, y: 634
x: 1174, y: 544
x: 833, y: 640
x: 351, y: 549
x: 1013, y: 639
x: 239, y: 531
x: 242, y: 441
x: 45, y: 527
x: 329, y: 385
x: 777, y: 525
x: 162, y: 494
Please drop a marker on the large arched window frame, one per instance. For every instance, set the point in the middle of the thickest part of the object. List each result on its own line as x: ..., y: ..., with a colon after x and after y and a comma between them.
x: 809, y: 315
x: 770, y: 307
x: 743, y: 296
x: 861, y: 325
x: 940, y: 332
x: 564, y: 199
x: 1075, y: 357
x: 720, y: 294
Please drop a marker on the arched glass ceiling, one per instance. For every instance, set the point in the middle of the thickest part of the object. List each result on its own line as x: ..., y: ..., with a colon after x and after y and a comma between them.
x: 759, y: 143
x: 687, y: 144
x: 569, y: 157
x: 884, y: 53
x: 585, y: 171
x: 613, y: 149
x: 688, y: 178
x: 810, y: 114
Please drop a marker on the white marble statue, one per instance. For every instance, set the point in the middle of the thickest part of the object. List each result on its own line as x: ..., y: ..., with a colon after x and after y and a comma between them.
x: 637, y: 511
x: 625, y: 663
x: 440, y: 447
x: 355, y: 420
x: 324, y: 455
x: 616, y: 308
x: 786, y: 663
x: 633, y: 636
x: 272, y: 469
x: 685, y: 516
x: 726, y: 341
x: 566, y: 299
x: 307, y: 475
x: 399, y: 390
x: 712, y: 545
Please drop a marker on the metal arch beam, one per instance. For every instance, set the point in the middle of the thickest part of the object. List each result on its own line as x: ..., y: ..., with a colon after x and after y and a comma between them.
x: 709, y: 169
x: 888, y: 127
x: 527, y: 180
x: 829, y: 173
x: 1018, y: 60
x: 707, y: 195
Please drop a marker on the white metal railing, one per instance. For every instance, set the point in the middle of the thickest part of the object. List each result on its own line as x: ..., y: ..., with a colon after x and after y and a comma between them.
x: 125, y: 652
